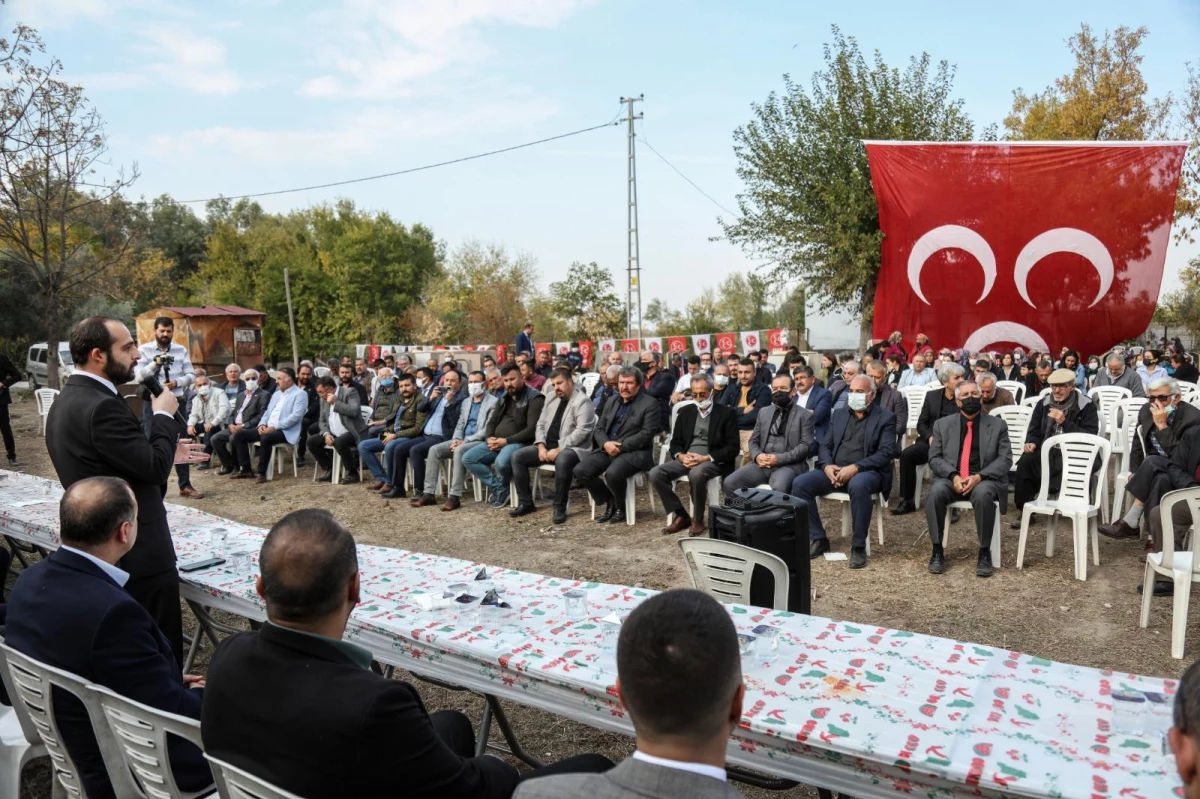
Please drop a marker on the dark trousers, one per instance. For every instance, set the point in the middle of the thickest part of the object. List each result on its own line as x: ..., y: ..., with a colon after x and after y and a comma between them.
x: 241, y: 447
x: 10, y: 445
x: 1150, y: 481
x: 398, y: 458
x: 912, y: 458
x: 219, y: 444
x: 1028, y: 480
x: 604, y: 477
x: 983, y: 499
x: 345, y: 444
x: 811, y: 485
x: 663, y: 475
x: 526, y: 458
x: 159, y: 595
x: 1181, y: 520
x: 417, y: 455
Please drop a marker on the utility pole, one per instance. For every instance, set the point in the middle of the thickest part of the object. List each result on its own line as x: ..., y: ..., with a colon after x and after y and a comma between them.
x: 287, y: 288
x: 633, y: 312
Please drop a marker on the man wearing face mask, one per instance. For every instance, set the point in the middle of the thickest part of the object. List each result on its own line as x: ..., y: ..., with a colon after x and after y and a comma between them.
x: 473, y: 418
x: 245, y: 412
x: 782, y: 441
x: 1162, y: 423
x: 970, y: 457
x: 512, y: 426
x: 424, y: 381
x: 1115, y: 373
x: 937, y: 405
x: 887, y: 397
x: 658, y: 385
x: 856, y: 457
x: 404, y: 425
x: 340, y: 426
x: 720, y: 375
x: 209, y: 413
x: 1151, y: 369
x: 441, y: 418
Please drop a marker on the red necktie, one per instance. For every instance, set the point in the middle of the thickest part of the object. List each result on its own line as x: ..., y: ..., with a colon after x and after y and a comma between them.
x: 964, y: 460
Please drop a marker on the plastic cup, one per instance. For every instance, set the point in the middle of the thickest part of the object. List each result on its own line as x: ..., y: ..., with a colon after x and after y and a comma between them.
x: 507, y: 619
x: 746, y: 644
x: 576, y: 604
x: 611, y: 634
x: 217, y: 538
x: 239, y: 562
x: 1129, y: 712
x: 766, y: 645
x: 1159, y: 712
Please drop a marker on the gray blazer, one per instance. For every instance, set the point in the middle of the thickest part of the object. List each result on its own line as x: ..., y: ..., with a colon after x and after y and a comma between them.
x: 995, y: 451
x: 488, y: 407
x: 799, y: 434
x: 578, y: 422
x: 349, y: 407
x: 629, y: 779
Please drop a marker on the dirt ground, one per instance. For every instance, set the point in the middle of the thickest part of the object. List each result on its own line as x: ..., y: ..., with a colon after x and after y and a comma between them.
x: 1041, y: 609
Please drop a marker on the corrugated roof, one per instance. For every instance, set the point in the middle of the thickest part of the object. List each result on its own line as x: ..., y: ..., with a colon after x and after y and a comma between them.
x: 213, y: 310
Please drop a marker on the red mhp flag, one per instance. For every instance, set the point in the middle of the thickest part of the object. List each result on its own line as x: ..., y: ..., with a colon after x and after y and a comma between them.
x: 726, y: 342
x: 777, y: 338
x: 629, y: 344
x: 677, y: 344
x: 585, y: 350
x: 544, y: 346
x: 1038, y: 245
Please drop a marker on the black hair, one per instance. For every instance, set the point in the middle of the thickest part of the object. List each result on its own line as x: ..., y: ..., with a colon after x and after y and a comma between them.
x: 307, y: 561
x: 508, y: 369
x: 803, y: 370
x: 426, y: 370
x: 290, y: 372
x: 91, y: 510
x: 90, y: 334
x: 326, y: 382
x: 563, y: 372
x: 694, y: 359
x: 164, y: 321
x: 405, y: 376
x: 745, y: 362
x: 1187, y: 702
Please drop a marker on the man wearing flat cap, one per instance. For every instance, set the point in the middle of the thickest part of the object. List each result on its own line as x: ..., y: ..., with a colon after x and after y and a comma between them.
x: 1064, y: 410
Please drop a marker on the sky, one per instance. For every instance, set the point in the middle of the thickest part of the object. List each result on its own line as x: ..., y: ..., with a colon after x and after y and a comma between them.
x: 240, y: 96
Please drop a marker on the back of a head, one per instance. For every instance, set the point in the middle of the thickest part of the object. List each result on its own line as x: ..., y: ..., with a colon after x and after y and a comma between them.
x: 1185, y: 735
x: 680, y: 666
x: 307, y: 562
x: 91, y: 511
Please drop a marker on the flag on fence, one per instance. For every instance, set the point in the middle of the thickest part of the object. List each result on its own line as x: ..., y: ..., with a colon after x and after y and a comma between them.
x: 608, y: 345
x: 677, y: 345
x: 501, y: 351
x: 750, y: 341
x: 629, y: 345
x: 777, y: 339
x: 585, y: 349
x: 654, y: 344
x: 727, y: 342
x: 562, y: 347
x: 700, y: 344
x: 539, y: 348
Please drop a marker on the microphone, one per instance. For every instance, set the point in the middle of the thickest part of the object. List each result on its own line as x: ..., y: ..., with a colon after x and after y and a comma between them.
x: 153, y: 387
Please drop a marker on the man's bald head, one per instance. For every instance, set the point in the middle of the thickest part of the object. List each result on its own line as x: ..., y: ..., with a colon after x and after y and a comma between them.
x: 308, y: 562
x: 93, y: 511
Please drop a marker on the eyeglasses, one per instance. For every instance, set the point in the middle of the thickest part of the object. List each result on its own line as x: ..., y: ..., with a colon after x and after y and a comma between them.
x: 1160, y: 398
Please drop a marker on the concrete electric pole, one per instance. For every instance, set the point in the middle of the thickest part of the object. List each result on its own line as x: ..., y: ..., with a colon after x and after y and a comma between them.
x: 633, y: 295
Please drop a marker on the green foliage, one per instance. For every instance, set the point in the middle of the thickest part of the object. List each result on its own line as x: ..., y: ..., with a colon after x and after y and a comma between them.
x: 1181, y: 308
x: 808, y: 208
x: 740, y: 302
x: 178, y: 233
x: 587, y: 303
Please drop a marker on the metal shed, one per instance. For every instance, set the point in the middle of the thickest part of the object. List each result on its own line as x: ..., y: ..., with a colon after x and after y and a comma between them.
x: 214, y: 335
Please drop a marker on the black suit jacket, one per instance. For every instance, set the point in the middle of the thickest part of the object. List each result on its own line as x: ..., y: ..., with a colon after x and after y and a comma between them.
x: 295, y: 710
x: 66, y: 612
x: 259, y: 401
x: 8, y: 376
x: 638, y: 429
x: 91, y: 432
x: 1185, y: 460
x: 1187, y: 417
x: 723, y: 439
x: 880, y: 443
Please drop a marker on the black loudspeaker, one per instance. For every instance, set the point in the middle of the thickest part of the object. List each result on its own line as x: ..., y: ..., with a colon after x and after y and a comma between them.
x: 772, y: 522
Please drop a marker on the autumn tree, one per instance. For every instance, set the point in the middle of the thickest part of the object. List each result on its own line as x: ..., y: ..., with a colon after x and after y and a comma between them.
x: 587, y: 302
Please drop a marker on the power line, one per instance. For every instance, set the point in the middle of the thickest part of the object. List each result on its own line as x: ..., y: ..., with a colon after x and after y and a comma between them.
x: 691, y: 182
x: 403, y: 171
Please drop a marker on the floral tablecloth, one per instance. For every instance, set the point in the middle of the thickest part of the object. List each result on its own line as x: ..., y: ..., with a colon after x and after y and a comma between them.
x: 866, y: 710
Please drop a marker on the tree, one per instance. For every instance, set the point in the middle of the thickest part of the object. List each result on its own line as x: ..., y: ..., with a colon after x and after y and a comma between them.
x: 1187, y: 205
x: 1181, y: 308
x: 587, y: 303
x: 178, y: 233
x: 59, y: 223
x: 808, y: 208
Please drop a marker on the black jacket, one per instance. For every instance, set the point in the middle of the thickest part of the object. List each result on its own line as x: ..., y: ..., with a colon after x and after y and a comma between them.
x: 295, y: 710
x: 723, y: 440
x: 759, y: 397
x: 935, y: 407
x: 1188, y: 373
x: 91, y: 432
x: 8, y: 376
x: 449, y: 416
x: 259, y: 401
x: 1187, y: 417
x: 1185, y: 460
x: 526, y: 410
x: 1085, y: 420
x: 637, y: 431
x: 661, y: 386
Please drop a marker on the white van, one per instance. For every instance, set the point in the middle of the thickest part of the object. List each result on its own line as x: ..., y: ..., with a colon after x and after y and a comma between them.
x: 35, y: 363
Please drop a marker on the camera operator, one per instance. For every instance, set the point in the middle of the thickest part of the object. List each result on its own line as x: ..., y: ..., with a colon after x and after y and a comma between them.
x: 172, y: 366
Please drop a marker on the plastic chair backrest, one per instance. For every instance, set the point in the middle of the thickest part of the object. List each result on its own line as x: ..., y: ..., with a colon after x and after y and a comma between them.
x: 915, y: 397
x: 662, y: 458
x: 320, y: 371
x: 234, y: 783
x: 1014, y: 387
x: 589, y: 380
x: 1127, y: 411
x: 45, y: 398
x: 1106, y: 397
x: 366, y: 413
x: 723, y: 569
x: 1017, y: 418
x: 1195, y: 399
x: 1079, y: 452
x: 1192, y: 497
x: 28, y: 727
x: 31, y: 681
x: 141, y: 735
x: 1187, y: 389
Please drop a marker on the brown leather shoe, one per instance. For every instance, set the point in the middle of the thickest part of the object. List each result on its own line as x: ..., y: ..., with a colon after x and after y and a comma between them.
x: 424, y: 501
x: 1119, y: 530
x: 696, y: 529
x: 681, y: 523
x: 188, y: 491
x: 241, y: 475
x: 385, y: 488
x: 376, y: 485
x: 452, y: 503
x: 260, y: 478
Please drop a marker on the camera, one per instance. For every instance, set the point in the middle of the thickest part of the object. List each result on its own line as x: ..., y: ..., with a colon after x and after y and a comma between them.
x: 165, y: 360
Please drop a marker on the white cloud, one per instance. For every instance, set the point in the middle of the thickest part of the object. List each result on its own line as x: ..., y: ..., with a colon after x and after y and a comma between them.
x: 384, y: 46
x: 188, y: 60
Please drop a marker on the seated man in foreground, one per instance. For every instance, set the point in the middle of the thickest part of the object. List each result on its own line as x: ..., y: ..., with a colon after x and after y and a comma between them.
x: 970, y: 456
x: 679, y: 674
x: 341, y: 729
x: 856, y: 457
x: 72, y: 612
x: 780, y: 445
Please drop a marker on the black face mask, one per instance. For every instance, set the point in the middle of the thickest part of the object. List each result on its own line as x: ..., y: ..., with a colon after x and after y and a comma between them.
x: 781, y: 399
x: 972, y: 405
x: 644, y: 367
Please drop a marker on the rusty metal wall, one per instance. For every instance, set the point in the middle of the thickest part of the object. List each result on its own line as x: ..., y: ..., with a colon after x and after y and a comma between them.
x: 209, y: 339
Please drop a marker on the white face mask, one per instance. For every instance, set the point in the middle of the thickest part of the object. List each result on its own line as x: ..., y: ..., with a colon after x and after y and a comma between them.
x: 203, y: 391
x: 721, y: 381
x: 705, y: 405
x: 422, y: 382
x: 857, y: 401
x: 251, y: 385
x: 474, y: 389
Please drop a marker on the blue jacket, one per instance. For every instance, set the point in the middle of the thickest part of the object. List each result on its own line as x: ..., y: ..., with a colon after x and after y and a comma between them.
x: 820, y: 402
x: 449, y: 416
x: 291, y: 419
x: 68, y: 613
x: 880, y: 442
x: 760, y: 396
x: 524, y: 343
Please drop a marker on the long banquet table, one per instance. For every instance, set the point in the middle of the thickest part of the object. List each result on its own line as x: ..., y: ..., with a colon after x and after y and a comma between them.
x: 865, y: 710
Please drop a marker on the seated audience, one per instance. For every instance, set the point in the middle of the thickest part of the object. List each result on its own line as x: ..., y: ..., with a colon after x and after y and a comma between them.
x: 982, y: 366
x: 992, y: 395
x: 918, y: 375
x: 720, y: 375
x: 543, y: 365
x: 384, y: 402
x: 339, y: 425
x: 1070, y: 360
x: 781, y: 443
x: 265, y: 381
x: 342, y: 730
x: 1151, y: 368
x: 494, y: 381
x: 424, y: 377
x: 575, y: 357
x: 706, y: 363
x: 606, y: 387
x: 922, y: 347
x: 441, y: 420
x: 1185, y: 370
x: 684, y: 384
x: 345, y: 373
x: 233, y: 384
x: 1008, y: 369
x: 747, y: 397
x: 1037, y: 380
x: 405, y: 424
x: 364, y: 376
x: 280, y: 424
x: 623, y: 445
x: 403, y: 365
x: 530, y: 376
x: 209, y: 414
x: 816, y: 399
x: 938, y: 405
x: 245, y: 413
x: 487, y: 362
x: 1065, y: 409
x: 856, y: 457
x: 838, y: 389
x: 896, y: 367
x: 513, y: 425
x: 657, y: 384
x: 704, y: 446
x: 473, y: 416
x: 563, y: 436
x: 970, y: 457
x: 889, y: 398
x: 71, y: 611
x: 1183, y: 472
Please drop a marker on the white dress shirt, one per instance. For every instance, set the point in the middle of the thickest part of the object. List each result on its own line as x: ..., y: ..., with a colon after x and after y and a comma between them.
x: 802, y: 398
x: 278, y: 412
x: 336, y: 426
x: 119, y: 576
x: 696, y: 768
x: 104, y: 381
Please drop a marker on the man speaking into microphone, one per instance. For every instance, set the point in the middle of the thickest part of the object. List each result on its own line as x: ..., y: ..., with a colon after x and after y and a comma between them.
x: 91, y: 432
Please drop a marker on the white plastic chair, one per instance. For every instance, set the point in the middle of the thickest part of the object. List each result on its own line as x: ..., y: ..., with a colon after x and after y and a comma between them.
x: 844, y: 498
x: 320, y: 371
x: 712, y: 490
x: 1076, y: 498
x: 722, y: 569
x: 963, y: 504
x: 589, y: 380
x: 140, y: 733
x: 914, y: 396
x: 1014, y: 387
x: 1182, y: 567
x: 1106, y: 397
x: 19, y: 741
x: 1029, y: 402
x: 45, y: 398
x: 1122, y: 434
x: 234, y: 783
x: 1187, y: 389
x: 630, y: 498
x: 1017, y: 418
x: 254, y: 445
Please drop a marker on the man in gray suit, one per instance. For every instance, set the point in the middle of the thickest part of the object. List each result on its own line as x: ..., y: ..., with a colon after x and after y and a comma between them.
x: 339, y: 425
x: 679, y: 674
x: 563, y: 437
x: 780, y: 445
x: 970, y: 456
x: 624, y: 445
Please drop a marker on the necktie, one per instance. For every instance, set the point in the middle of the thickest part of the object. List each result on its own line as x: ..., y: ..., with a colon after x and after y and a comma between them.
x: 964, y: 460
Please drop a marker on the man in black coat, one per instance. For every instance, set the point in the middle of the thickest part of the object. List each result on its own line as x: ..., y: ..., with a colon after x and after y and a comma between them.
x: 91, y: 432
x: 70, y: 611
x: 298, y: 706
x: 937, y: 405
x: 658, y: 384
x: 8, y: 376
x: 704, y: 446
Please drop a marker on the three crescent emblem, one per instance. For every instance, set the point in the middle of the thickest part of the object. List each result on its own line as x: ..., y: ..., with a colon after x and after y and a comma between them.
x: 1063, y: 239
